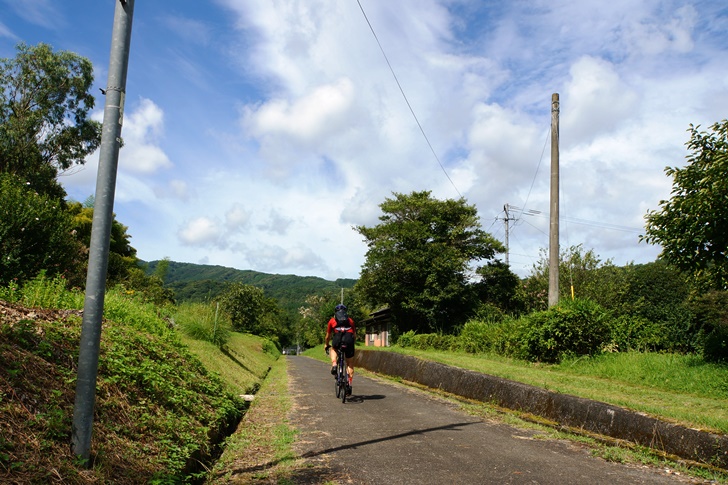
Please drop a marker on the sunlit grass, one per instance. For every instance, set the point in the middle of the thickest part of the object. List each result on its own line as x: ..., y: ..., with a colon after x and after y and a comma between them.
x: 242, y: 363
x: 202, y: 321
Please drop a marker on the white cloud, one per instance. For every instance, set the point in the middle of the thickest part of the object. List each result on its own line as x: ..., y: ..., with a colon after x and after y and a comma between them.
x: 305, y: 131
x: 142, y: 131
x: 174, y: 189
x: 595, y: 100
x: 673, y: 33
x: 201, y: 231
x: 237, y: 217
x: 305, y: 119
x: 276, y: 223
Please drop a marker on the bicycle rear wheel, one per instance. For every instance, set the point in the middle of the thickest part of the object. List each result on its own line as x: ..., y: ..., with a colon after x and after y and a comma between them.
x: 343, y: 381
x: 340, y: 389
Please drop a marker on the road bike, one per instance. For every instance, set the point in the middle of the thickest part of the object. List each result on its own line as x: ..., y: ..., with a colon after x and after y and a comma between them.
x: 341, y: 379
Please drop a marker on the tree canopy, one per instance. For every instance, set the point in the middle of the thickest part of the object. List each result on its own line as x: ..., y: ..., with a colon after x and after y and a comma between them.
x: 44, y: 115
x: 251, y: 311
x: 420, y: 258
x: 692, y: 227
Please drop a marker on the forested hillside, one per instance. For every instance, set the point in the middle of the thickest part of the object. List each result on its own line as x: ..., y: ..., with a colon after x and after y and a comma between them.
x: 199, y: 282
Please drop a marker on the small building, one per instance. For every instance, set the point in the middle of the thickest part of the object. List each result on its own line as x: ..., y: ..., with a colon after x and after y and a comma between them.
x: 378, y: 328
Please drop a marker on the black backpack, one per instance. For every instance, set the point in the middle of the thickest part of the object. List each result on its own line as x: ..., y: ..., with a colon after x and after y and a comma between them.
x: 342, y: 319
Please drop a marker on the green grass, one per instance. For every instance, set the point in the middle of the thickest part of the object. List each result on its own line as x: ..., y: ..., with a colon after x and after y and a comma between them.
x: 263, y: 443
x: 202, y: 321
x: 242, y: 364
x: 159, y: 410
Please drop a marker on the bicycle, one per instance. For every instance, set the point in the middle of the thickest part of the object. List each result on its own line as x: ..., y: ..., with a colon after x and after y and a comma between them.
x: 341, y: 379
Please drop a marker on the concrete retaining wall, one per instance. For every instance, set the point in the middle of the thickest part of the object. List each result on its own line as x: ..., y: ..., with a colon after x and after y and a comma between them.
x: 568, y: 410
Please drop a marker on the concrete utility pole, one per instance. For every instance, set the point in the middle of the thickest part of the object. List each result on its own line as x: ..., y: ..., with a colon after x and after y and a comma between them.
x: 554, y: 216
x: 88, y: 357
x: 507, y: 219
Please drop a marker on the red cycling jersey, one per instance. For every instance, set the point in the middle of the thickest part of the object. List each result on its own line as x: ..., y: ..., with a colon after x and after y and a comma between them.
x: 333, y: 327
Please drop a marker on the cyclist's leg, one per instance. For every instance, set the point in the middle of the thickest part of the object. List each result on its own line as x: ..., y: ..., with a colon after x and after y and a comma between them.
x: 350, y: 357
x: 335, y: 342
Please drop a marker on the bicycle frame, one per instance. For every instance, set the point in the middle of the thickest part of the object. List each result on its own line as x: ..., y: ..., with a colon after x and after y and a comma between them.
x: 342, y: 376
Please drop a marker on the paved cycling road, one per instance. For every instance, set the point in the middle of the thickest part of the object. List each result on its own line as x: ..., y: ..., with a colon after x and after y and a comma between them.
x: 392, y: 434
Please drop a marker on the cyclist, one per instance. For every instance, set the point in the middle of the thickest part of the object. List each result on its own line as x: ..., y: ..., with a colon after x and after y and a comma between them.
x: 344, y: 332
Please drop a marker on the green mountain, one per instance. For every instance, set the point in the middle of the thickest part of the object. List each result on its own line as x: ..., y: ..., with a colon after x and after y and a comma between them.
x: 200, y: 282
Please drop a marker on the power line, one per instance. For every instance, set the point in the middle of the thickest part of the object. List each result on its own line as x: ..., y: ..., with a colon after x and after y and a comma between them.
x: 405, y: 97
x: 584, y: 222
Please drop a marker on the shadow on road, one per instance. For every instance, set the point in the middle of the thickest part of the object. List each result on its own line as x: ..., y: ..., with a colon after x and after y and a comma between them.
x: 354, y: 399
x: 450, y: 427
x: 312, y: 454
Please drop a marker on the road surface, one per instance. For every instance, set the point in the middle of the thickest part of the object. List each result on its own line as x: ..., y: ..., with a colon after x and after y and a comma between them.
x: 393, y: 434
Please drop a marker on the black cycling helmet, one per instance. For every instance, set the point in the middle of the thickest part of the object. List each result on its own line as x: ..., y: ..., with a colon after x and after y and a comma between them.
x: 340, y: 307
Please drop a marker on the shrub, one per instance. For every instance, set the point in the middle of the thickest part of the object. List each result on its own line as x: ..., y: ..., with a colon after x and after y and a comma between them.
x: 635, y: 333
x: 428, y: 341
x: 716, y: 345
x: 489, y: 313
x: 405, y: 340
x: 572, y: 328
x: 501, y: 337
x: 711, y: 317
x: 35, y: 235
x: 478, y: 336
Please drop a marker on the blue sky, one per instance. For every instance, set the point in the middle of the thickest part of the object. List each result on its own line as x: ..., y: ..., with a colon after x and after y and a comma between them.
x: 258, y: 133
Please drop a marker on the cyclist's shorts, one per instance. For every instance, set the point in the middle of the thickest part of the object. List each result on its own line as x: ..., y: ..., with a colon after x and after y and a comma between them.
x: 346, y: 338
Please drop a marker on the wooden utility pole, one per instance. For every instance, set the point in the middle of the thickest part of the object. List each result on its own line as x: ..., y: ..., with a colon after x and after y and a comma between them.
x: 554, y: 215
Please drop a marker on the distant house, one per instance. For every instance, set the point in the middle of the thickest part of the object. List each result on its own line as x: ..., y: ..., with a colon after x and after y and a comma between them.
x: 378, y: 328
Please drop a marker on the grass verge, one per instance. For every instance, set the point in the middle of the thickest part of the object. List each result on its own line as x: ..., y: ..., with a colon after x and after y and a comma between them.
x: 159, y: 411
x: 677, y: 388
x: 261, y: 448
x: 242, y: 363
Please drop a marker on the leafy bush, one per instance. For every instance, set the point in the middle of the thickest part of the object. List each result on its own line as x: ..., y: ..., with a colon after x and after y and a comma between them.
x: 635, y: 333
x: 405, y: 340
x: 35, y: 235
x: 711, y: 317
x: 489, y: 312
x: 434, y: 341
x: 572, y: 328
x: 478, y: 336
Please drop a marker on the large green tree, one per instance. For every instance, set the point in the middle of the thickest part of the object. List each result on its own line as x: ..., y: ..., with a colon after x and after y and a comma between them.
x: 44, y: 115
x: 122, y: 256
x: 251, y: 311
x: 420, y: 258
x: 692, y: 227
